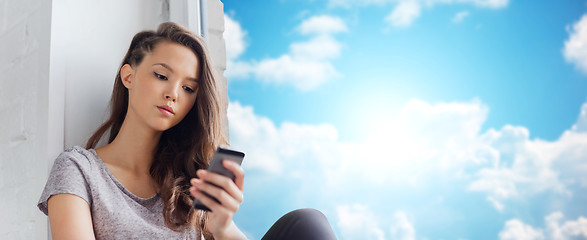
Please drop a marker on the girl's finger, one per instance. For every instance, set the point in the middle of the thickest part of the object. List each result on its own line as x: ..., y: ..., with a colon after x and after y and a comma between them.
x: 206, y: 200
x: 223, y: 182
x: 238, y: 172
x: 225, y: 199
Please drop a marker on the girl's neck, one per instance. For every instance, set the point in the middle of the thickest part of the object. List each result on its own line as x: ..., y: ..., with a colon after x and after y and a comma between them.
x: 134, y: 147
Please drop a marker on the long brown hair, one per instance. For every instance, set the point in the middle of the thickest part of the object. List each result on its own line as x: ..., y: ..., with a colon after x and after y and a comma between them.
x: 188, y: 145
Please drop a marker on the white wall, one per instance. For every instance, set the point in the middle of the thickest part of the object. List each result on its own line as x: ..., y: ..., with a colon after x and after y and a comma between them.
x: 58, y: 60
x: 24, y: 80
x: 89, y: 39
x: 82, y: 45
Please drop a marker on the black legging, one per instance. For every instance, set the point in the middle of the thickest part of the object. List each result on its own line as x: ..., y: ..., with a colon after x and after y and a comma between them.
x: 301, y: 224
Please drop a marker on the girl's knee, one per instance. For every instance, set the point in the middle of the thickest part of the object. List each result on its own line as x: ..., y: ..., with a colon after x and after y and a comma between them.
x: 306, y: 214
x: 306, y: 223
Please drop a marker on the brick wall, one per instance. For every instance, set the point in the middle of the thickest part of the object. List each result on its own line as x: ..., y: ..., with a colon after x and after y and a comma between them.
x: 56, y: 78
x: 24, y: 80
x: 217, y: 47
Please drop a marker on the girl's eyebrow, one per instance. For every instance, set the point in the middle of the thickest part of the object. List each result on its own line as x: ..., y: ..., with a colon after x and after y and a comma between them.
x: 171, y: 70
x: 165, y: 66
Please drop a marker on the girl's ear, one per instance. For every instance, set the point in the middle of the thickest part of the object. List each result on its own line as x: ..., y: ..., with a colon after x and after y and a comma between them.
x: 127, y: 74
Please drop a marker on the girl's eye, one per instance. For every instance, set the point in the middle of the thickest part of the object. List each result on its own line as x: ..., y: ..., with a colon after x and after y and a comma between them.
x: 188, y: 89
x: 162, y: 77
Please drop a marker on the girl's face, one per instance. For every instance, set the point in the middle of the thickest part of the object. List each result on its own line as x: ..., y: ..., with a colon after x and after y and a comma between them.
x: 163, y: 87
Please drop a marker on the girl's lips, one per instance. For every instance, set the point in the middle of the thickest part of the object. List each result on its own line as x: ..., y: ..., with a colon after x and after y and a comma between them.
x: 166, y: 110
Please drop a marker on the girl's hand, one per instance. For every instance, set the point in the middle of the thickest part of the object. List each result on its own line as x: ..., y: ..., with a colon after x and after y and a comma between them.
x: 230, y: 195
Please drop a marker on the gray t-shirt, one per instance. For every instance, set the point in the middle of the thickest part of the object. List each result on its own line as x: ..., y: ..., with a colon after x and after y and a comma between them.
x: 116, y: 212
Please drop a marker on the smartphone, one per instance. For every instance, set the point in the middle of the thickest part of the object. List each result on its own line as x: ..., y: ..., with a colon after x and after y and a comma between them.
x: 217, y: 167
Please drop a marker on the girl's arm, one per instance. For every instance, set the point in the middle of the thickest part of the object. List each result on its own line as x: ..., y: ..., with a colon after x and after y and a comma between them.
x: 70, y: 217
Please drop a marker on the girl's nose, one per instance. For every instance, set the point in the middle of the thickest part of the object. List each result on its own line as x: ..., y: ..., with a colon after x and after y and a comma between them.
x: 172, y: 92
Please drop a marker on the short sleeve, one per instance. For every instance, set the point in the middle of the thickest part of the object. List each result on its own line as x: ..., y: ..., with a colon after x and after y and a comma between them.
x: 68, y: 175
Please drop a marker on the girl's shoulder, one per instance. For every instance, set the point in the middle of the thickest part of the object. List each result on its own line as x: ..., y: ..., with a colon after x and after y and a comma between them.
x: 83, y: 158
x: 74, y: 171
x: 76, y: 150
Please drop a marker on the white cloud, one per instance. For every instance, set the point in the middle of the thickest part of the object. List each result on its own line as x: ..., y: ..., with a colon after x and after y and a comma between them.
x: 555, y: 229
x: 351, y: 3
x: 401, y: 227
x: 516, y: 230
x: 479, y: 3
x: 306, y: 66
x: 404, y: 13
x: 568, y: 156
x: 566, y: 230
x: 234, y: 38
x: 581, y: 124
x: 257, y: 135
x: 318, y: 48
x: 526, y: 167
x: 416, y: 147
x: 323, y: 24
x: 460, y: 16
x: 422, y: 143
x: 272, y: 149
x: 303, y: 75
x: 424, y: 140
x: 358, y: 222
x: 488, y: 3
x: 496, y: 204
x: 575, y: 50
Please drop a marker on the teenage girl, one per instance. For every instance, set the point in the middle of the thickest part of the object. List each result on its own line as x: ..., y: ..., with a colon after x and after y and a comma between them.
x: 165, y: 124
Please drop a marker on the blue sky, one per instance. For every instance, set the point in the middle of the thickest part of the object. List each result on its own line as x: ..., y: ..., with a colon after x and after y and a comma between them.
x: 413, y: 119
